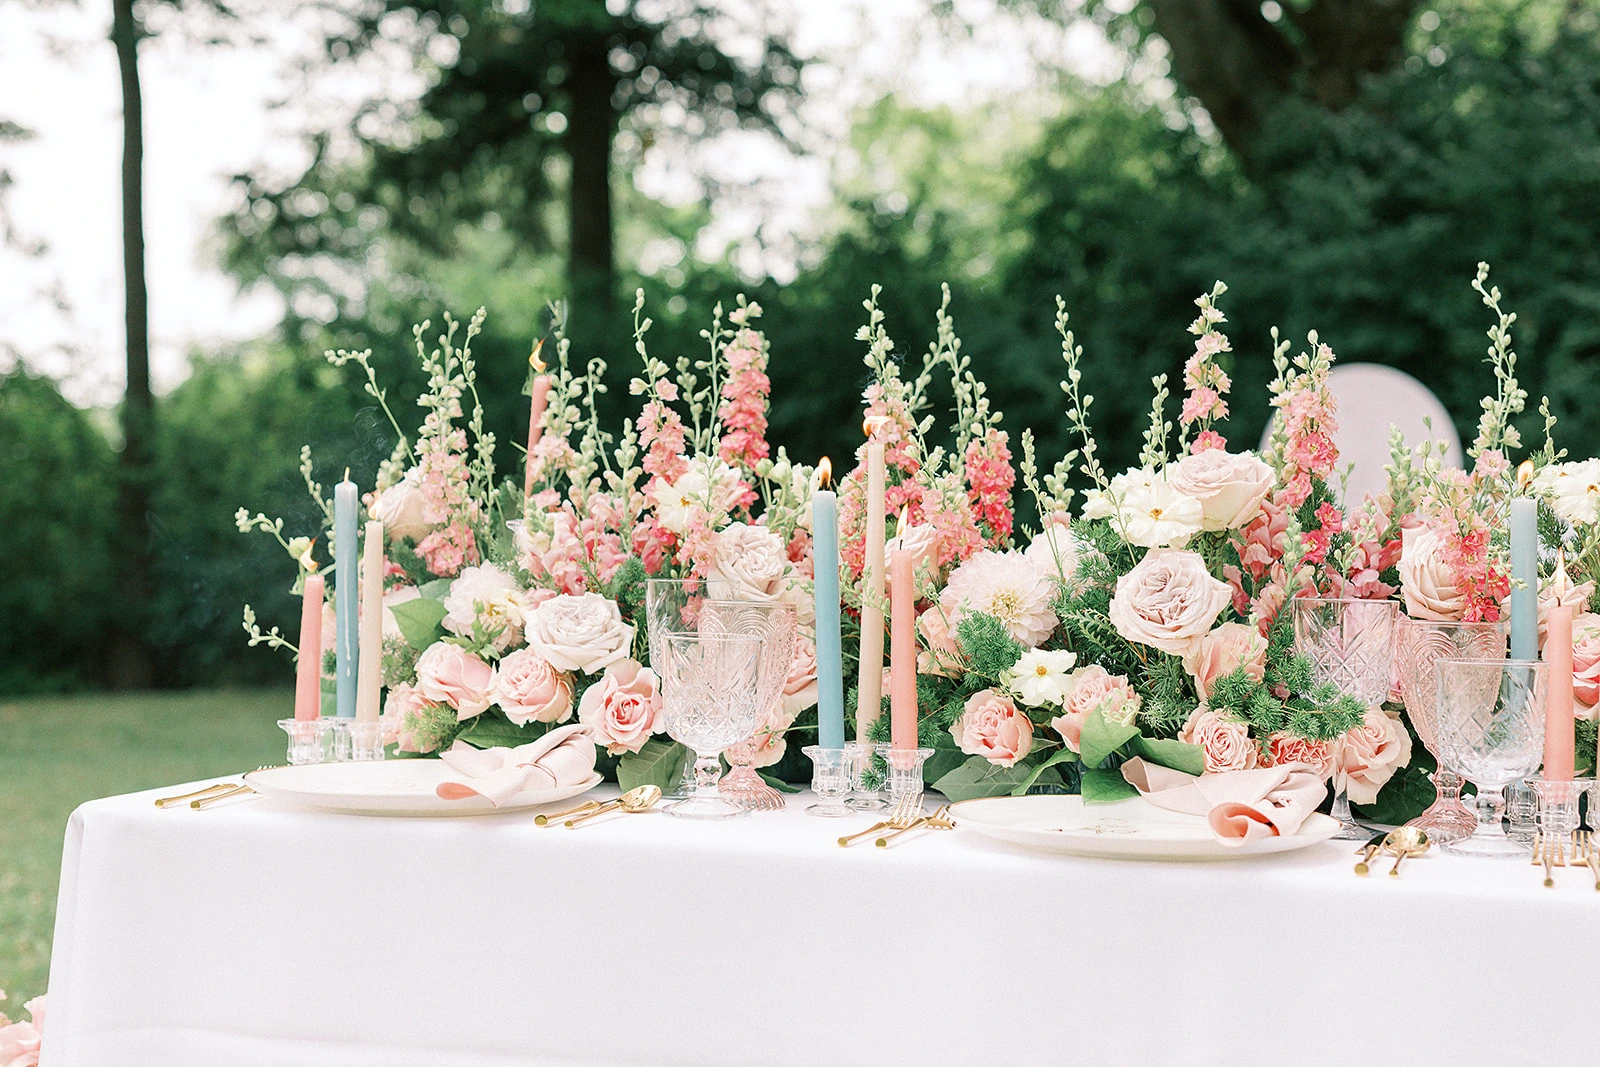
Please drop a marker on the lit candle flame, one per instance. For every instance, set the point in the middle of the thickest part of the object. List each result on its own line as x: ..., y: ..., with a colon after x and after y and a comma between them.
x: 872, y: 424
x: 534, y: 361
x: 903, y: 523
x: 1559, y: 580
x: 1525, y: 474
x: 824, y: 473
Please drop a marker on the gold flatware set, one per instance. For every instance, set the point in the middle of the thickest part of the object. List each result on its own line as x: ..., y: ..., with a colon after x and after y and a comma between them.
x: 634, y: 801
x: 1401, y: 842
x: 1551, y: 851
x: 904, y: 817
x: 204, y: 798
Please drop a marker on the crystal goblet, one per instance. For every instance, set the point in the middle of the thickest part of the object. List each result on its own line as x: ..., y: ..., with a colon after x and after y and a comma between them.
x: 1491, y: 729
x: 1349, y: 643
x: 710, y: 700
x: 1419, y: 646
x: 672, y: 606
x: 775, y: 624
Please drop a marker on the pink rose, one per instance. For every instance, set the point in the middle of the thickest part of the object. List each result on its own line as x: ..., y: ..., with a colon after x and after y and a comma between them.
x: 1559, y: 592
x: 1093, y: 687
x: 800, y: 687
x: 1224, y: 650
x: 399, y: 508
x: 1586, y: 663
x: 528, y: 689
x: 1168, y: 601
x: 1229, y: 485
x: 19, y: 1041
x: 1367, y: 756
x: 748, y: 563
x: 403, y: 700
x: 992, y: 727
x: 1226, y: 743
x: 623, y: 708
x: 941, y: 655
x: 449, y: 674
x: 1427, y: 581
x: 1284, y: 747
x: 770, y: 746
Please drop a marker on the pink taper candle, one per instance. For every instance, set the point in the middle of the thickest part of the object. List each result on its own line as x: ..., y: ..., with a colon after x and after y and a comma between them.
x: 1558, y: 728
x: 541, y: 398
x: 308, y: 676
x: 902, y: 652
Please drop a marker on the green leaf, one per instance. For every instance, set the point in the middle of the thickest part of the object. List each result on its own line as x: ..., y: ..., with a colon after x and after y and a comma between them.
x: 494, y: 730
x: 977, y: 777
x: 1102, y: 786
x: 1061, y: 755
x: 778, y: 783
x: 437, y: 589
x: 1101, y: 738
x: 1190, y: 759
x: 419, y: 621
x: 660, y: 762
x: 1402, y: 797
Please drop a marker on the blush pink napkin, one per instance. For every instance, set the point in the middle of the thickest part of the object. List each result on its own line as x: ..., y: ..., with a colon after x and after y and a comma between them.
x: 562, y: 757
x: 1240, y: 806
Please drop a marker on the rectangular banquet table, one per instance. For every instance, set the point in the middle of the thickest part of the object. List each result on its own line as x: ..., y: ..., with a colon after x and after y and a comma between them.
x: 254, y: 934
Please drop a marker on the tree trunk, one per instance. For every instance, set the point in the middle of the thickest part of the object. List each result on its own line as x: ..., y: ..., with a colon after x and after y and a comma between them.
x: 131, y: 663
x: 591, y: 124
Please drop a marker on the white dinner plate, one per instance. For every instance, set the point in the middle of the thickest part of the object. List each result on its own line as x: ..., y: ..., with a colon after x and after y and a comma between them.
x: 390, y: 787
x: 1125, y: 829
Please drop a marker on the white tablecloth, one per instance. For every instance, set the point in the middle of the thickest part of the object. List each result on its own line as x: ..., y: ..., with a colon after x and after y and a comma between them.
x: 251, y: 934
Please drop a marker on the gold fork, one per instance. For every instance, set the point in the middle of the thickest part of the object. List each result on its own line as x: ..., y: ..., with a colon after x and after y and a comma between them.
x: 162, y: 802
x: 939, y: 820
x: 906, y: 811
x: 1554, y: 856
x: 235, y: 789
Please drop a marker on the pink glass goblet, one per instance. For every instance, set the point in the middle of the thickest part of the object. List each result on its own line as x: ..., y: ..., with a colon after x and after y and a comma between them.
x: 1420, y: 645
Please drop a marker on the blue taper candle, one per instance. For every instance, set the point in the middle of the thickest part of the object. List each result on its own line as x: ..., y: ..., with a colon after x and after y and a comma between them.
x: 830, y: 669
x: 1525, y: 575
x: 346, y: 638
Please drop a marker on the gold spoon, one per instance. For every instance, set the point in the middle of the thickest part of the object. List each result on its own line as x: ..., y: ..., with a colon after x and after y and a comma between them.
x: 544, y: 820
x: 635, y: 800
x: 1367, y: 852
x: 1405, y: 841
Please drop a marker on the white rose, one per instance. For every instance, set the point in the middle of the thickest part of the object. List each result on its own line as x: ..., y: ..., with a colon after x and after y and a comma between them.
x: 1168, y: 601
x: 749, y: 563
x: 399, y: 508
x: 1427, y: 582
x: 579, y: 633
x: 1041, y: 677
x: 1230, y: 486
x: 486, y: 595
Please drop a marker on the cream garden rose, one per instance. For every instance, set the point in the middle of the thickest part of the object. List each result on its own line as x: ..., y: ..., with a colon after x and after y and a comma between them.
x: 528, y: 689
x: 579, y: 633
x: 1094, y: 687
x: 1168, y: 601
x: 1365, y: 758
x: 1427, y: 582
x: 1230, y: 486
x: 489, y: 598
x: 399, y: 508
x: 993, y: 727
x: 1223, y: 650
x: 749, y: 563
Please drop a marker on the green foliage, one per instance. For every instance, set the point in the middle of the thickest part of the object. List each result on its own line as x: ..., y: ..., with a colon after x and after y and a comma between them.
x: 989, y: 648
x: 1169, y: 694
x: 420, y: 621
x: 1190, y: 759
x: 977, y: 777
x: 435, y: 726
x: 1104, y: 785
x: 659, y: 762
x: 492, y: 729
x: 1043, y: 767
x: 58, y: 585
x: 1101, y: 737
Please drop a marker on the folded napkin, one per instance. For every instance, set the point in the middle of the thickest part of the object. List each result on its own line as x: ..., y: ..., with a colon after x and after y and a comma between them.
x: 564, y: 756
x: 1240, y: 806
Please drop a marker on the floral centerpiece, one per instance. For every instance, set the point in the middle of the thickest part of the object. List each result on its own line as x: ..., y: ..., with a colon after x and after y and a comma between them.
x: 1150, y: 623
x: 510, y: 608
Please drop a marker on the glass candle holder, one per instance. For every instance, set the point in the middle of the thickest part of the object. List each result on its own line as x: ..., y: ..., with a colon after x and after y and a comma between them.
x: 366, y: 741
x: 866, y: 783
x: 305, y: 739
x: 1522, y: 811
x: 905, y: 771
x: 830, y: 780
x: 1558, y: 805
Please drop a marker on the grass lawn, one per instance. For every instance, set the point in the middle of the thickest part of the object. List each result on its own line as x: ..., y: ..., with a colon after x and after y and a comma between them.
x: 57, y: 752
